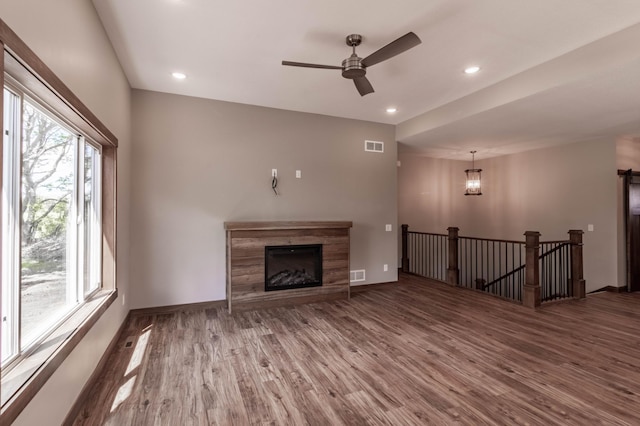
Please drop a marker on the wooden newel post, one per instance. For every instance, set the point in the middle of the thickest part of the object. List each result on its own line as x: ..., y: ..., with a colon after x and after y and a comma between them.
x: 532, y: 295
x: 405, y: 248
x: 453, y: 273
x: 577, y: 274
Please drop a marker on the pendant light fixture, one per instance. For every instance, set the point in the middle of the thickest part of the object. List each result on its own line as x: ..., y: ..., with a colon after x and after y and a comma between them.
x: 474, y: 185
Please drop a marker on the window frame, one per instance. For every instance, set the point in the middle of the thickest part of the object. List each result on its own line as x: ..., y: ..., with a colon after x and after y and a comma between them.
x: 23, y: 65
x: 12, y: 240
x: 96, y: 197
x: 22, y: 349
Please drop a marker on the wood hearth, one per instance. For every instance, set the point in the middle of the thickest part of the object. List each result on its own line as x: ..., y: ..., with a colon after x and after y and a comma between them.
x: 246, y: 242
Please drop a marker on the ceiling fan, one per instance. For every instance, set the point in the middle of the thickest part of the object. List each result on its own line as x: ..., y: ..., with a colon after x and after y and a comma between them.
x: 355, y: 68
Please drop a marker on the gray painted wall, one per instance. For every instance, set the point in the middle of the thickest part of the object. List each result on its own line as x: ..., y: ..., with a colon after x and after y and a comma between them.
x: 548, y: 190
x: 199, y: 163
x: 628, y: 154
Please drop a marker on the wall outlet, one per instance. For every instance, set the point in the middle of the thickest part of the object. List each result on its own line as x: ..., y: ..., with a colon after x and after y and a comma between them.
x: 590, y: 227
x: 385, y: 267
x: 123, y: 299
x: 274, y: 172
x: 399, y: 163
x: 387, y: 227
x: 298, y: 174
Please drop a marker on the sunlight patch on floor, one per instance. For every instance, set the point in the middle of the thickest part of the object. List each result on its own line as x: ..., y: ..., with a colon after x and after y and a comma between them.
x: 138, y: 353
x: 123, y: 393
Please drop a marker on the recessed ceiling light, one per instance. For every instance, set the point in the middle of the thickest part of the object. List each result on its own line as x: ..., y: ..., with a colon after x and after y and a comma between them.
x: 391, y: 110
x: 179, y: 75
x: 472, y: 70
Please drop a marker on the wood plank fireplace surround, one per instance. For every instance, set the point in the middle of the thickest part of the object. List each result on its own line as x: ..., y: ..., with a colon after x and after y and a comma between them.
x: 247, y: 244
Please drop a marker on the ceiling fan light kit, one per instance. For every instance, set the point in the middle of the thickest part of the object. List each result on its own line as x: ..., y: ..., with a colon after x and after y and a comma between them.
x: 355, y: 68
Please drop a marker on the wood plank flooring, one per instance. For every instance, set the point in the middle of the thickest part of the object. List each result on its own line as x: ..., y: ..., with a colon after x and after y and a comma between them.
x: 419, y: 352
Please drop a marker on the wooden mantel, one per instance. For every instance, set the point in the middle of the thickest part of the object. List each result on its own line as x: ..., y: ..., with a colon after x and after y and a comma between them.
x: 270, y: 226
x: 246, y: 242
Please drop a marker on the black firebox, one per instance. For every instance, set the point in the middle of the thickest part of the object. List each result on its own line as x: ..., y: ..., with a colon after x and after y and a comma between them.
x: 292, y: 266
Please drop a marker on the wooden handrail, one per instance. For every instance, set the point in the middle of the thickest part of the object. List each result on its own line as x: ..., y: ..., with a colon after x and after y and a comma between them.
x: 492, y: 239
x: 521, y: 267
x: 553, y: 250
x: 531, y: 290
x: 508, y: 274
x: 427, y: 233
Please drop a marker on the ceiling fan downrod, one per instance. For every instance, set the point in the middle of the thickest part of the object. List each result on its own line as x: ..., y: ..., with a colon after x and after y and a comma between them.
x: 352, y: 66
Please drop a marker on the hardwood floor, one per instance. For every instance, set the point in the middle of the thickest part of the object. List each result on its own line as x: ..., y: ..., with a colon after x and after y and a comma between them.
x: 418, y: 352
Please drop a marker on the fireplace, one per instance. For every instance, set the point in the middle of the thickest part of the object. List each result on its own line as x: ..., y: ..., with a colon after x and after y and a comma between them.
x: 293, y: 266
x: 246, y: 262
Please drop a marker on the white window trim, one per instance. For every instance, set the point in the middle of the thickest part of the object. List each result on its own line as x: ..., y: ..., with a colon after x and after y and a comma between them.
x: 76, y: 294
x: 96, y: 219
x: 11, y: 227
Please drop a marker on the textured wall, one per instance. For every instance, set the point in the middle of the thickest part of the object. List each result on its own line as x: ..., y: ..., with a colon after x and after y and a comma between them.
x: 199, y: 163
x: 548, y: 190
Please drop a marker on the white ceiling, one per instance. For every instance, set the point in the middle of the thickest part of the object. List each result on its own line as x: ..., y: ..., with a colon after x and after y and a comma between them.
x: 552, y: 71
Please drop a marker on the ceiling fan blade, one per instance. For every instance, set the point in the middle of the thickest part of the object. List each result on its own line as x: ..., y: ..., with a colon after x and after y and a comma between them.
x: 392, y: 49
x: 305, y: 65
x: 363, y: 85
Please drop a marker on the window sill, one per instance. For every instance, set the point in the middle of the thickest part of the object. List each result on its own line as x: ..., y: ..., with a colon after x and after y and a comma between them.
x: 26, y: 378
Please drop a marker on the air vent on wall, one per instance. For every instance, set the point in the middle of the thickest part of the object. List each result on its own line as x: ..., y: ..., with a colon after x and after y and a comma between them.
x: 373, y: 146
x: 357, y: 275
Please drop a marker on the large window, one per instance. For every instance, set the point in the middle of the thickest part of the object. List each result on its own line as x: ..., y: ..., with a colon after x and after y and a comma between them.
x: 51, y: 222
x: 57, y: 225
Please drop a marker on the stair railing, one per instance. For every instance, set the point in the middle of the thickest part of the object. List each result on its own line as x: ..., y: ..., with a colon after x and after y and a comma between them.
x: 514, y: 270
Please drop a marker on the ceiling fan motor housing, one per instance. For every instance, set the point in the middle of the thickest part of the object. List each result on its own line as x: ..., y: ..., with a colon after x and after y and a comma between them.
x: 352, y: 67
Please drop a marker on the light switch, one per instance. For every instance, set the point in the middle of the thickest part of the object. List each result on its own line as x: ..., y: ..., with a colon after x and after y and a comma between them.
x: 388, y: 227
x: 590, y: 227
x: 298, y: 174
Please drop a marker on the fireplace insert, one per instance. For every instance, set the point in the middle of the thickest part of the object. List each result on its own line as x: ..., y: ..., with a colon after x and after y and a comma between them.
x: 294, y: 266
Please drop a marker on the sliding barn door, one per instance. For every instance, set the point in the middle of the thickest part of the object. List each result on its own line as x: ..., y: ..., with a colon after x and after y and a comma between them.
x: 634, y: 236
